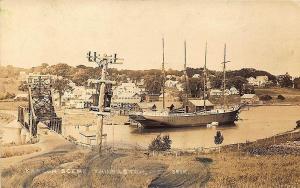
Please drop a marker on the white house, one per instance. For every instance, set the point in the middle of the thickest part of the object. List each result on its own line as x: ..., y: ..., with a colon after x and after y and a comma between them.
x: 179, y: 87
x: 252, y: 81
x: 126, y: 98
x: 196, y: 76
x: 126, y: 93
x: 21, y: 96
x: 216, y: 92
x: 227, y: 92
x: 258, y: 81
x: 79, y: 97
x: 234, y: 91
x: 262, y: 80
x: 141, y: 82
x: 171, y: 83
x: 169, y: 76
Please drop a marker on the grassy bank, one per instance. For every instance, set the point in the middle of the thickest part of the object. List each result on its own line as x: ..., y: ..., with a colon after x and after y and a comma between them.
x: 238, y: 169
x: 11, y: 151
x: 6, y: 118
x: 292, y: 96
x: 12, y: 105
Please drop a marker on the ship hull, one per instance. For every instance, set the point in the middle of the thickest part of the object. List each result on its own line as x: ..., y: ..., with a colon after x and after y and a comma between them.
x: 185, y: 120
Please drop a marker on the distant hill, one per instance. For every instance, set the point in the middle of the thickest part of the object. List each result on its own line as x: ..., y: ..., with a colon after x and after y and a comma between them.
x: 9, y: 81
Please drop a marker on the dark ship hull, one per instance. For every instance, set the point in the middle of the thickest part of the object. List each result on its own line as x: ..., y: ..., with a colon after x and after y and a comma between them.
x: 159, y: 120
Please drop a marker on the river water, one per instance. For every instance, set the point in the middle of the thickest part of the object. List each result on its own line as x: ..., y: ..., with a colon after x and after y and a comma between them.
x: 255, y: 123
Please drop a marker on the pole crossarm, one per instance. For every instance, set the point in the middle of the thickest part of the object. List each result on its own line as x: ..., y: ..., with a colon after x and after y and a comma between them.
x: 101, y: 60
x: 103, y: 81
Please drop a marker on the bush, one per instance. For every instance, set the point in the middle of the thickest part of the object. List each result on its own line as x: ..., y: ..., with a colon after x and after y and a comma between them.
x: 265, y: 98
x: 160, y: 143
x: 219, y: 138
x: 280, y: 97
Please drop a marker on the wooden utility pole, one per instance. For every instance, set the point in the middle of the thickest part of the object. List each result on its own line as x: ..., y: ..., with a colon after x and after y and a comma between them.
x: 102, y: 62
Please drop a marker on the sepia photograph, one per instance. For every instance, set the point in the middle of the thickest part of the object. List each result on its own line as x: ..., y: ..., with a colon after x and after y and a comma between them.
x: 149, y: 94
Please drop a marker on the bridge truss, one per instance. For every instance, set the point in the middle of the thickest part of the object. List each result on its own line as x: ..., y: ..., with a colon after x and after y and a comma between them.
x: 40, y: 106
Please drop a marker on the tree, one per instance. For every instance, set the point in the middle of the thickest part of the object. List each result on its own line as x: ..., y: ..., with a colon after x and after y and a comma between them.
x: 44, y: 65
x: 280, y: 97
x: 285, y: 80
x: 219, y: 139
x: 265, y: 98
x: 297, y: 83
x: 195, y: 86
x: 61, y: 69
x: 81, y: 76
x: 153, y: 84
x: 61, y: 86
x: 23, y: 86
x: 160, y: 143
x: 248, y: 89
x: 237, y: 82
x: 216, y: 81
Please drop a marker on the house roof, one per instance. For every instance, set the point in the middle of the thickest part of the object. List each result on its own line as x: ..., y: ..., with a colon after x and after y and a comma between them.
x: 248, y: 96
x: 200, y: 102
x: 21, y: 95
x: 127, y: 95
x: 215, y: 90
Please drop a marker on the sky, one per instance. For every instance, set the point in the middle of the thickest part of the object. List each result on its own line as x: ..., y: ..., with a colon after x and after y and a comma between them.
x: 259, y: 34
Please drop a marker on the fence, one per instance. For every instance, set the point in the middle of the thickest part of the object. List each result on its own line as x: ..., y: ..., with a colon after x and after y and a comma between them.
x: 276, y: 139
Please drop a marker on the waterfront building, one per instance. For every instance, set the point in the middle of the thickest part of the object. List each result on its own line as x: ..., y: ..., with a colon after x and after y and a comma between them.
x: 171, y: 95
x: 249, y: 99
x: 152, y: 97
x: 196, y: 105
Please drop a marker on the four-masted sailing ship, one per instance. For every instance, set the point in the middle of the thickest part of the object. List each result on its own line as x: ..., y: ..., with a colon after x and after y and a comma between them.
x: 182, y: 117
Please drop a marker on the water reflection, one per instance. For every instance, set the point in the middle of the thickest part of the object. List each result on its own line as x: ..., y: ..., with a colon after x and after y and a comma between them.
x: 136, y: 130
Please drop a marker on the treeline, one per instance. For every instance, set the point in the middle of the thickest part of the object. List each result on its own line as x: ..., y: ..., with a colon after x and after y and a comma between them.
x: 152, y: 78
x: 10, y: 71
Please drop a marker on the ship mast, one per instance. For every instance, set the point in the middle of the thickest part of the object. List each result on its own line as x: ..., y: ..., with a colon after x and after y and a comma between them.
x: 186, y: 77
x: 224, y: 75
x: 204, y: 81
x: 163, y: 72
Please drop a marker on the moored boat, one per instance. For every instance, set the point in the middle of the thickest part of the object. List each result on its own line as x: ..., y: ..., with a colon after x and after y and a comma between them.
x: 184, y: 118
